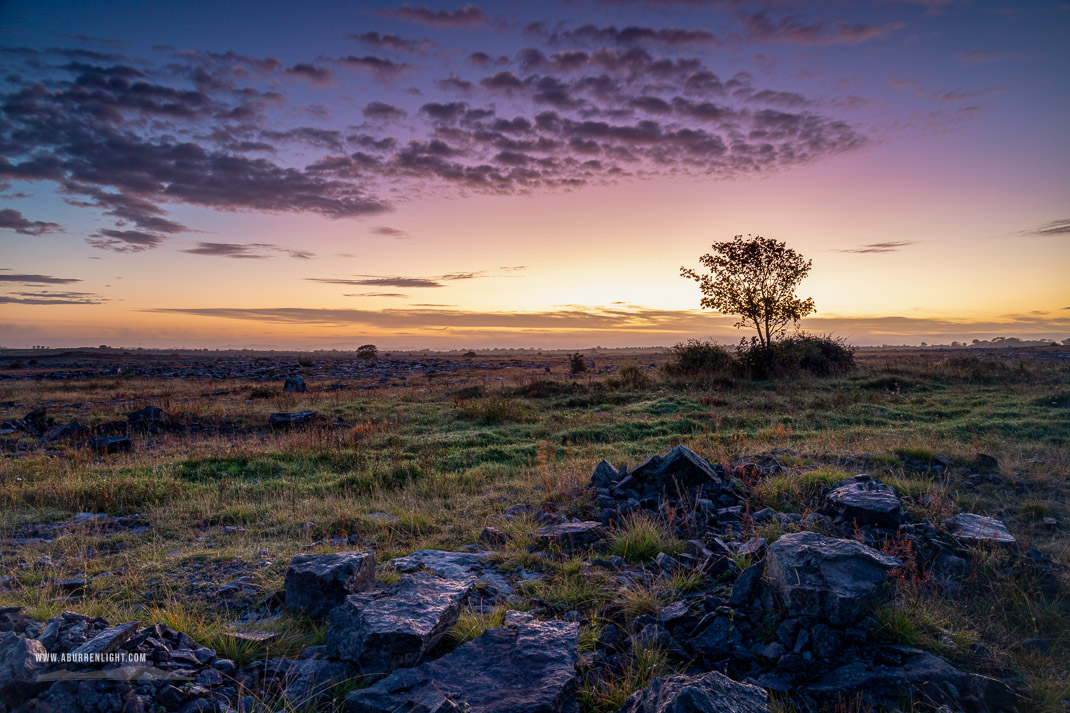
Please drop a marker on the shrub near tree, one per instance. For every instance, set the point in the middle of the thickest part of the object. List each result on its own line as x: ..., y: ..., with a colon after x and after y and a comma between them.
x: 756, y: 279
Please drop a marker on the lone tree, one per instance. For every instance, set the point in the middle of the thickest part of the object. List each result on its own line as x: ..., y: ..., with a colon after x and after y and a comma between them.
x: 754, y: 278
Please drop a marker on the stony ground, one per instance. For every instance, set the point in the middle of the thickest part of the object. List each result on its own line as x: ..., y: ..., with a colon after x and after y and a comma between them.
x: 406, y: 533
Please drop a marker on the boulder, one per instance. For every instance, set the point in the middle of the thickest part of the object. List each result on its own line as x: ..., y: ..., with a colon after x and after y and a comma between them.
x: 306, y: 683
x: 572, y: 535
x: 711, y: 692
x: 111, y: 445
x: 317, y: 583
x: 604, y: 474
x: 451, y: 565
x: 146, y: 417
x: 19, y: 669
x: 866, y: 503
x: 108, y: 641
x: 296, y: 420
x: 529, y: 668
x: 680, y: 467
x: 978, y: 529
x: 745, y: 588
x: 295, y: 385
x: 72, y: 431
x: 833, y: 579
x: 379, y: 632
x: 897, y: 670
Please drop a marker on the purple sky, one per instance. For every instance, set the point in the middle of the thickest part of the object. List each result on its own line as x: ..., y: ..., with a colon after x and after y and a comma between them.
x: 526, y: 173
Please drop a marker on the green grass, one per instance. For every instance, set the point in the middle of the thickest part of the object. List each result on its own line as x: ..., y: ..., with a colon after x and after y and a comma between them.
x: 640, y: 538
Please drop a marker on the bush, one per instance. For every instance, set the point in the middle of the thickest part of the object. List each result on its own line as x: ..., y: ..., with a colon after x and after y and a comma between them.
x: 630, y: 376
x: 695, y: 359
x: 305, y: 361
x: 368, y: 351
x: 576, y: 364
x: 798, y: 354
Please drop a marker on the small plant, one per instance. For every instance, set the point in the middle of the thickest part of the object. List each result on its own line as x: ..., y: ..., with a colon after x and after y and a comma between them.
x: 492, y: 410
x: 641, y: 539
x: 368, y: 351
x: 305, y: 360
x: 631, y: 376
x: 608, y: 693
x: 471, y: 624
x: 698, y: 360
x: 576, y: 363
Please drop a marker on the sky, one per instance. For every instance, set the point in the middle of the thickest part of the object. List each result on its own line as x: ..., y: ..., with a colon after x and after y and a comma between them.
x: 526, y: 174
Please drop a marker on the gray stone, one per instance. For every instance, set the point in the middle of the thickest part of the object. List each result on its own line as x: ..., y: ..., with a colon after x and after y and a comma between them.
x: 451, y: 565
x: 317, y: 583
x: 381, y: 631
x: 147, y: 416
x: 493, y: 537
x: 526, y: 669
x: 72, y: 431
x: 107, y: 446
x: 296, y: 420
x: 572, y: 535
x: 19, y: 669
x: 680, y: 466
x: 604, y: 474
x: 978, y: 529
x: 295, y: 385
x: 837, y: 580
x: 711, y: 692
x: 308, y: 682
x: 899, y: 670
x: 746, y: 585
x: 867, y: 503
x: 108, y: 641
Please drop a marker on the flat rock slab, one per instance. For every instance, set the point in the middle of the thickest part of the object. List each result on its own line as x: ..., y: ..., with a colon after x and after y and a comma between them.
x: 572, y: 535
x: 451, y: 565
x: 317, y: 583
x: 867, y: 503
x: 108, y: 641
x: 712, y: 692
x: 976, y: 529
x: 899, y: 669
x: 379, y: 632
x: 680, y: 466
x: 296, y: 420
x: 834, y: 579
x: 526, y: 669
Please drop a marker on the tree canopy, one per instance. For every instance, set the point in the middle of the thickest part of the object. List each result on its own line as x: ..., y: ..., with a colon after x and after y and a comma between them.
x: 754, y: 278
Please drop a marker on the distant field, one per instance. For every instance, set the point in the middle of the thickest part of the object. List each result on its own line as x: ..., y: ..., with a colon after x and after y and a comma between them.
x: 444, y: 450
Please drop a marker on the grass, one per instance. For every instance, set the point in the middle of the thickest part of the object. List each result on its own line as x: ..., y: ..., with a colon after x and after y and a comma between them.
x: 608, y: 694
x: 641, y: 539
x: 449, y: 458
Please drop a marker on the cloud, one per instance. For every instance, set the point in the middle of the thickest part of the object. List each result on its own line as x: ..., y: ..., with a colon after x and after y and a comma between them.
x: 791, y: 30
x: 125, y: 241
x: 31, y: 279
x: 311, y: 73
x: 375, y: 294
x: 632, y: 34
x: 985, y: 57
x: 381, y: 281
x: 381, y: 110
x: 467, y: 16
x: 887, y: 247
x: 247, y: 251
x: 390, y: 41
x: 11, y: 219
x: 378, y: 66
x: 388, y: 232
x: 1055, y: 227
x: 53, y: 298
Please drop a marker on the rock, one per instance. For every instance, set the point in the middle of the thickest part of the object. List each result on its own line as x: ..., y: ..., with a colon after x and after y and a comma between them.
x: 315, y: 584
x: 746, y: 585
x: 381, y: 631
x: 19, y: 669
x: 978, y: 529
x: 493, y: 537
x: 718, y: 640
x: 526, y: 669
x: 108, y: 641
x: 897, y: 670
x: 107, y: 446
x: 148, y: 416
x: 451, y: 565
x: 255, y: 636
x: 604, y: 474
x: 679, y: 467
x: 307, y: 682
x: 295, y: 385
x: 833, y: 579
x: 711, y: 692
x: 297, y: 420
x: 72, y: 431
x: 866, y: 503
x: 572, y: 535
x: 986, y: 463
x: 518, y: 510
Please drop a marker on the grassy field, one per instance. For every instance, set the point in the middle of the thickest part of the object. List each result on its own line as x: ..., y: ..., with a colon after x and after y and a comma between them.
x: 444, y: 458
